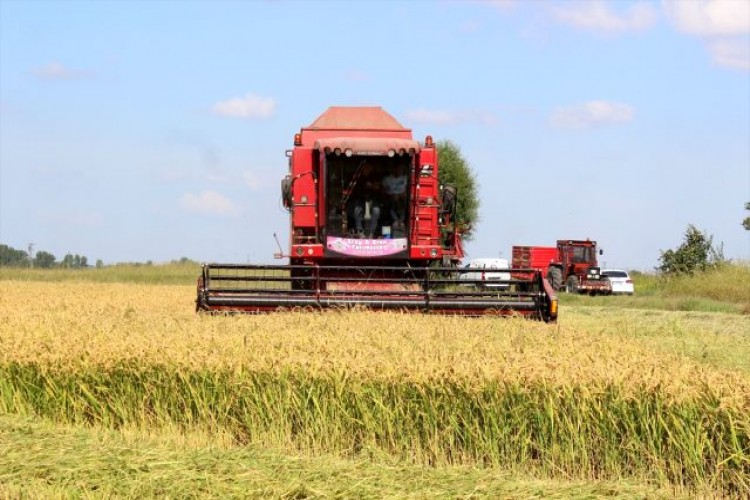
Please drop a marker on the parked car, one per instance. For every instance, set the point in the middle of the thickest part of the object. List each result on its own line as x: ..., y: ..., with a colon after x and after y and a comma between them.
x: 486, y: 273
x: 620, y: 280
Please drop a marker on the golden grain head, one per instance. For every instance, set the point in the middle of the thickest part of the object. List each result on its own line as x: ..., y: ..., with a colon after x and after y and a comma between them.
x: 69, y: 325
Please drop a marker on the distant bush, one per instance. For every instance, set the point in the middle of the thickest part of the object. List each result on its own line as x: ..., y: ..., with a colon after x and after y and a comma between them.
x: 184, y: 261
x: 727, y: 283
x: 696, y: 253
x: 11, y: 257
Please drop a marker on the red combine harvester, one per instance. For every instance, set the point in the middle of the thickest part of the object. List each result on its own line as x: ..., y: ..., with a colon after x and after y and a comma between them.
x: 571, y: 265
x: 370, y: 225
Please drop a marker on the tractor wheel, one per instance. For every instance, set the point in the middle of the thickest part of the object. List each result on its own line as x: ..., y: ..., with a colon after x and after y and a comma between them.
x: 572, y: 285
x: 554, y: 276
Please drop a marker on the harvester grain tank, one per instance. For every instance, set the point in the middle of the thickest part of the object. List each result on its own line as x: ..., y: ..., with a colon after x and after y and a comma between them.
x: 370, y: 225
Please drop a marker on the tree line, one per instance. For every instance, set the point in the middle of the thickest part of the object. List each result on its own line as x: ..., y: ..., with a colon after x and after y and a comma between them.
x: 696, y: 253
x: 12, y: 257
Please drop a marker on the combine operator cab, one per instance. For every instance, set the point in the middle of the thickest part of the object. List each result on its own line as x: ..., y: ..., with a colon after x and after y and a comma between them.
x: 367, y: 197
x: 370, y: 225
x: 361, y: 190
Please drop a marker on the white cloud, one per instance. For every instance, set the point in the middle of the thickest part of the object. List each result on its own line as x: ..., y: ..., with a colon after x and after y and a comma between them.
x: 208, y: 202
x: 354, y: 75
x: 470, y: 26
x: 57, y: 71
x: 503, y: 5
x: 724, y: 26
x: 591, y: 114
x: 445, y: 117
x: 709, y: 17
x: 597, y: 15
x: 434, y: 116
x: 250, y: 106
x: 731, y: 53
x: 171, y: 174
x: 217, y: 177
x: 251, y: 180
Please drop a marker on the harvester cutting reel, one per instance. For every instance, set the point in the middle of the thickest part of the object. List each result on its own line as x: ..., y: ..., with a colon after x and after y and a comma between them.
x: 437, y: 290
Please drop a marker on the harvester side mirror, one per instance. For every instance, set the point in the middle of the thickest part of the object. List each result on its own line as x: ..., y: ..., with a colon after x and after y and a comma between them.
x: 449, y: 196
x: 286, y: 192
x: 601, y: 252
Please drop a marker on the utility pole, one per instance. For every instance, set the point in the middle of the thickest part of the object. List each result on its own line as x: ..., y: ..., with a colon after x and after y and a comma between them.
x: 31, y: 255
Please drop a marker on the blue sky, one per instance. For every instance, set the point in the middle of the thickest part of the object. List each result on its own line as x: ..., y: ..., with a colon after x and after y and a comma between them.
x: 134, y: 131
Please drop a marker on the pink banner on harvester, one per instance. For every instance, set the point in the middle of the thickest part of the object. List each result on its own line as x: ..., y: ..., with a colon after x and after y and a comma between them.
x: 366, y: 247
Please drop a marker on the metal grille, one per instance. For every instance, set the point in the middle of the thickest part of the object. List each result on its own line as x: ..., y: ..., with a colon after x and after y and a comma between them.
x: 252, y: 288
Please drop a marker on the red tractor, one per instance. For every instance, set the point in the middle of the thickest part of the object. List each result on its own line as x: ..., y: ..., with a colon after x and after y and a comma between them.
x: 370, y: 225
x: 577, y: 268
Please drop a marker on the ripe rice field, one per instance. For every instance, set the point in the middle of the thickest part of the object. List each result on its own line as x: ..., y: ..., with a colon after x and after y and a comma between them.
x: 114, y: 386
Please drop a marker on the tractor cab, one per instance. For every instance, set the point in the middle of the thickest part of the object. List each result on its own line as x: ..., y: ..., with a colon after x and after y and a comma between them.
x: 578, y: 256
x: 577, y: 270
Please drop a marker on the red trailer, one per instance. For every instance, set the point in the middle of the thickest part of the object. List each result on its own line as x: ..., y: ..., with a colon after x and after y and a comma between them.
x: 533, y: 257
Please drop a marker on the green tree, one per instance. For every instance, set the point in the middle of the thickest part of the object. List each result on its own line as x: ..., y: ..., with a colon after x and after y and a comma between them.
x: 68, y: 261
x: 746, y: 222
x: 697, y: 252
x: 74, y: 261
x: 9, y: 256
x: 44, y: 259
x: 455, y: 171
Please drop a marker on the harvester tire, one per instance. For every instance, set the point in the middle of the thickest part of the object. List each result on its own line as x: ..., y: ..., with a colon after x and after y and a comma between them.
x: 572, y: 285
x: 554, y: 276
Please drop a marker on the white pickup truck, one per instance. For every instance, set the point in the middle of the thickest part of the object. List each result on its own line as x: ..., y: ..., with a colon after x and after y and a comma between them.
x: 486, y: 273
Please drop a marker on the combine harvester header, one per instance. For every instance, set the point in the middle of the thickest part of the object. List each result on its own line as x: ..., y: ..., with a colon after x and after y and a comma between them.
x: 370, y: 225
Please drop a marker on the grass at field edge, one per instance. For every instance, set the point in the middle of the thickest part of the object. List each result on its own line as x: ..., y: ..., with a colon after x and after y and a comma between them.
x: 42, y: 459
x: 569, y: 432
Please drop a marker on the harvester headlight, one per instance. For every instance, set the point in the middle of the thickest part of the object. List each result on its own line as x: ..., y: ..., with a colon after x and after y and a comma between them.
x: 337, y: 151
x: 299, y: 251
x: 348, y: 153
x: 303, y: 199
x: 426, y: 171
x: 433, y: 252
x: 391, y: 153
